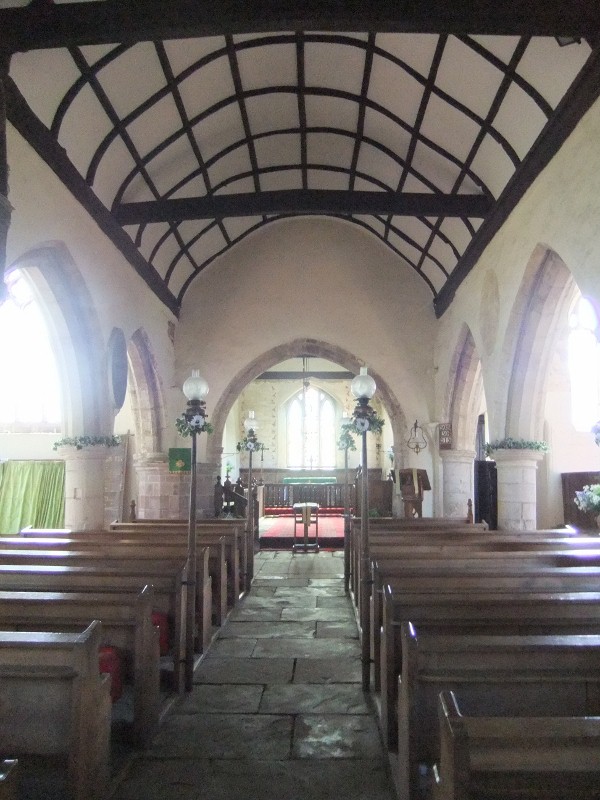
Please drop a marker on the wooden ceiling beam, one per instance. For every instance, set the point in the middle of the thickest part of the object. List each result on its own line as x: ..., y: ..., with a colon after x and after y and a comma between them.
x: 42, y: 24
x: 316, y: 201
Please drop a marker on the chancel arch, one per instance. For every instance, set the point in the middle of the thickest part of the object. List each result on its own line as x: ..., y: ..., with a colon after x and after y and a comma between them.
x: 464, y: 394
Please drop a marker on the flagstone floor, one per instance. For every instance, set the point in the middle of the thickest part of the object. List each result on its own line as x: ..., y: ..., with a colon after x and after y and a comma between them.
x: 277, y: 711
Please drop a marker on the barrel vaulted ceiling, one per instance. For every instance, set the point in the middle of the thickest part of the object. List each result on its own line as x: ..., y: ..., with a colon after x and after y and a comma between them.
x: 182, y: 130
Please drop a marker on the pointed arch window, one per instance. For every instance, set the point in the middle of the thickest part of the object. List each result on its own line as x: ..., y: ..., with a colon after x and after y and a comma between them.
x: 584, y: 364
x: 30, y: 400
x: 311, y: 430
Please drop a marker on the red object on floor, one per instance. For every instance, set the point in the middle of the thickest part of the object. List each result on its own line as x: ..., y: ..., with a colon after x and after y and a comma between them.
x: 160, y: 619
x: 110, y: 662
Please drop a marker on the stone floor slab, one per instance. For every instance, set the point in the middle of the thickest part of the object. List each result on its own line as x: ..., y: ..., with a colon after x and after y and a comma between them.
x: 224, y: 698
x: 188, y: 779
x: 328, y: 670
x: 260, y: 613
x: 245, y: 670
x: 272, y: 601
x: 337, y: 630
x: 231, y: 648
x: 268, y: 630
x: 335, y: 736
x: 305, y: 648
x: 317, y: 615
x: 227, y: 736
x: 314, y: 699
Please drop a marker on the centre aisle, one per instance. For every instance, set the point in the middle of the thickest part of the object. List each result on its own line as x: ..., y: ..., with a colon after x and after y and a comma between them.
x: 277, y: 711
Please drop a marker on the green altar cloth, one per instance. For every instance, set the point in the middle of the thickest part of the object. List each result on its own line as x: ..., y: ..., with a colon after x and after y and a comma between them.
x: 310, y: 480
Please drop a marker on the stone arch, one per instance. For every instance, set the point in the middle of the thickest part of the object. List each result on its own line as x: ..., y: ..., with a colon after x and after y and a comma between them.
x: 147, y: 399
x: 464, y: 391
x: 546, y: 291
x: 298, y: 347
x: 76, y: 337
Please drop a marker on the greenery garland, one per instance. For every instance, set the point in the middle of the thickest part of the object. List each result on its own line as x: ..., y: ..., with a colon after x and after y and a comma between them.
x: 346, y: 440
x: 184, y: 428
x: 515, y: 444
x: 376, y: 424
x: 79, y: 442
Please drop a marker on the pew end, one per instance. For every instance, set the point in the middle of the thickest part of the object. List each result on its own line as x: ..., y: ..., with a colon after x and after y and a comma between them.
x: 515, y: 757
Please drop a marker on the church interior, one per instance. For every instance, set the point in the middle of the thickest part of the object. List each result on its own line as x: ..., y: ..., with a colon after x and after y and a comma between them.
x: 275, y: 272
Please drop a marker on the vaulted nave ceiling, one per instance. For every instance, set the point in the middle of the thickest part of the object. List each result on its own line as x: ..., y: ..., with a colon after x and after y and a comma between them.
x: 182, y: 129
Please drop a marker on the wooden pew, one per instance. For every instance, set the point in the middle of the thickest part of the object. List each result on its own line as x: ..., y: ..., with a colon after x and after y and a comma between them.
x: 475, y: 613
x: 168, y: 584
x: 503, y: 675
x: 499, y: 579
x: 8, y: 779
x: 206, y: 530
x: 135, y: 558
x: 516, y: 759
x: 126, y: 624
x: 147, y: 547
x: 54, y: 703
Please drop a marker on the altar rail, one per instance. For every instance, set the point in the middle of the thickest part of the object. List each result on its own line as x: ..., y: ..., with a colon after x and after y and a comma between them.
x: 329, y: 496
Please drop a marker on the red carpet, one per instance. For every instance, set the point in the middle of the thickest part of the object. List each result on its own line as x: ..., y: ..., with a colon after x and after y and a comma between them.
x: 279, y: 532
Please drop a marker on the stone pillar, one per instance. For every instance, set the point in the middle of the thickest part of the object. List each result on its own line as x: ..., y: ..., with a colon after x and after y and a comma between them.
x: 84, y: 486
x: 517, y: 503
x: 161, y: 494
x: 458, y: 484
x: 206, y: 475
x: 5, y: 207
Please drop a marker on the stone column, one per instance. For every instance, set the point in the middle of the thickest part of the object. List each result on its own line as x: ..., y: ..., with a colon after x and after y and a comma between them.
x: 84, y: 486
x: 458, y: 483
x: 161, y: 494
x: 517, y: 503
x: 5, y: 207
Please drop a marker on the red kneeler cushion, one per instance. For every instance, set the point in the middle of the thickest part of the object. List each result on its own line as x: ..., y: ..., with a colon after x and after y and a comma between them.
x: 110, y: 662
x: 160, y: 619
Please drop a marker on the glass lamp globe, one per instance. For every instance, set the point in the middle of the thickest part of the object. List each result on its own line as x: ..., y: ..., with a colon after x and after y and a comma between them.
x: 363, y: 385
x: 195, y: 387
x: 250, y: 424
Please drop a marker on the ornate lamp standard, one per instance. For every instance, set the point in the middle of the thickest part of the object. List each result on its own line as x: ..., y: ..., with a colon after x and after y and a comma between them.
x: 195, y: 388
x: 249, y: 443
x: 363, y: 388
x: 346, y: 443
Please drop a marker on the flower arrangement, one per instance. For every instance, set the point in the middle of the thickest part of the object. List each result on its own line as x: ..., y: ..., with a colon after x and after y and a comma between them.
x: 346, y: 440
x: 515, y: 444
x: 356, y: 424
x: 79, y: 442
x: 197, y: 424
x: 588, y: 499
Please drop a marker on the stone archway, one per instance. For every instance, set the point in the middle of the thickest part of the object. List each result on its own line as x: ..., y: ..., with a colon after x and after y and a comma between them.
x: 464, y: 393
x: 146, y: 395
x: 295, y: 349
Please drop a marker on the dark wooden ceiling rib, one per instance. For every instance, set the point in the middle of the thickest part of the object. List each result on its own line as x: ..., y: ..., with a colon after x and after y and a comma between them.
x: 185, y: 122
x: 428, y: 88
x: 123, y: 133
x: 148, y: 20
x: 301, y: 79
x: 581, y: 96
x: 364, y: 91
x: 312, y: 201
x: 241, y: 101
x: 29, y: 126
x: 485, y: 128
x: 276, y: 375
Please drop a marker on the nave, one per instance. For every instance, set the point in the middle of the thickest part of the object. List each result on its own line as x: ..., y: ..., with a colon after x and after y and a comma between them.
x: 277, y: 711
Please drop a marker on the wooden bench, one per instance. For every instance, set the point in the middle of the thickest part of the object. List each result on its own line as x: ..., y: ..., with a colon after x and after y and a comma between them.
x: 475, y: 613
x: 149, y: 547
x: 9, y: 779
x: 516, y: 758
x: 54, y: 703
x: 126, y: 624
x: 505, y: 675
x: 168, y: 584
x: 232, y: 531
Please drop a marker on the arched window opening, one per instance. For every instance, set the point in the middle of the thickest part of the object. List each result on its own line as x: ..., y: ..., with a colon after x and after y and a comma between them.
x: 584, y: 364
x: 311, y: 430
x: 30, y: 400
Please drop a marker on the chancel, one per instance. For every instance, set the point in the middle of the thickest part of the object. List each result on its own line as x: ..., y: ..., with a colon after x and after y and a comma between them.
x: 374, y: 230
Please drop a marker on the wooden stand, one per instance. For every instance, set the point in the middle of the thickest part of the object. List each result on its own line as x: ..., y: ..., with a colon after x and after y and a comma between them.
x: 305, y: 514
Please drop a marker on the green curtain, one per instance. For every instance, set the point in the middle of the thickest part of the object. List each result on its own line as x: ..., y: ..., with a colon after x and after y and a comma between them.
x: 31, y: 493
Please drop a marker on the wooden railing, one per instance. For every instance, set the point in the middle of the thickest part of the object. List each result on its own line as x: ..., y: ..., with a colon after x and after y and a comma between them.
x: 284, y: 495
